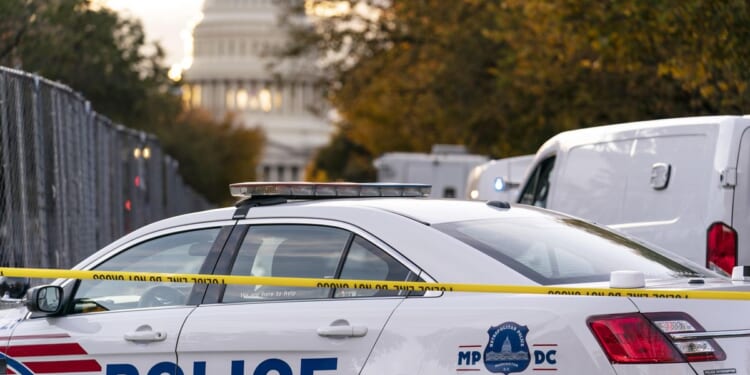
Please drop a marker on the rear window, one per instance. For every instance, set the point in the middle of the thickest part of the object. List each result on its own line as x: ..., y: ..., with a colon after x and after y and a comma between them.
x: 561, y: 250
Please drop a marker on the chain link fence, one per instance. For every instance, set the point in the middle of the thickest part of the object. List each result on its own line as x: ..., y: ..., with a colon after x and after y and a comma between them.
x: 71, y: 181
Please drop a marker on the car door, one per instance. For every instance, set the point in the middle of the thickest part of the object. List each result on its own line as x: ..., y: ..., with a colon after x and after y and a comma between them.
x: 121, y: 327
x: 289, y: 331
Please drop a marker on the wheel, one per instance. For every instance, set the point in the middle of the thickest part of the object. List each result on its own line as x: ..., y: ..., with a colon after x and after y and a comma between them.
x: 161, y: 295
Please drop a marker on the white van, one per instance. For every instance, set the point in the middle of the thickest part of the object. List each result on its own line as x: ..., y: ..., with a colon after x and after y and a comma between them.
x: 445, y: 168
x: 498, y: 179
x: 682, y: 183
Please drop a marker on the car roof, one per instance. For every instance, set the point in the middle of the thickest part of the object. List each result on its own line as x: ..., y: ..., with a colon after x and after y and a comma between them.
x: 214, y: 215
x: 403, y: 223
x: 427, y: 211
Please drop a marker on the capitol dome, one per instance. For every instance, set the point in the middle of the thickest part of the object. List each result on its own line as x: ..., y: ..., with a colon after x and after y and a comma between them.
x: 234, y: 71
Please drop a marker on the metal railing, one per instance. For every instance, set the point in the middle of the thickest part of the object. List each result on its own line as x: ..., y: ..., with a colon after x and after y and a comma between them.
x: 71, y: 181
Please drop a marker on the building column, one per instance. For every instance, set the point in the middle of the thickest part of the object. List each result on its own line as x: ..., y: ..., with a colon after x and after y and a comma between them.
x: 252, y: 93
x: 209, y: 100
x: 299, y: 96
x: 286, y: 99
x: 219, y: 97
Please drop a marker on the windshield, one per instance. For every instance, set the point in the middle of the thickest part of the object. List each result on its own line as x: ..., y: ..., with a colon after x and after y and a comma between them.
x: 561, y: 250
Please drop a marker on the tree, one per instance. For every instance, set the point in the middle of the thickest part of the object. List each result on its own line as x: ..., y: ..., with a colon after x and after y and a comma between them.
x: 501, y: 77
x: 212, y: 155
x: 585, y: 63
x: 105, y: 57
x: 95, y: 52
x: 15, y: 23
x: 341, y: 160
x: 413, y: 76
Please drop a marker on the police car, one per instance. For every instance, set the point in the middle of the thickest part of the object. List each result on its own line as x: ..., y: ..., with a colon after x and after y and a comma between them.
x: 376, y: 232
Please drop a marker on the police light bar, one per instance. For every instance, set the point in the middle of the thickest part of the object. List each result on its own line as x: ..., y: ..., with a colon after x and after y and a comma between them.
x: 312, y: 190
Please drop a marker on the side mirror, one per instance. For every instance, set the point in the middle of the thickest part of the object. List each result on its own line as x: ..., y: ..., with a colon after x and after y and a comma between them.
x: 45, y: 299
x: 501, y: 184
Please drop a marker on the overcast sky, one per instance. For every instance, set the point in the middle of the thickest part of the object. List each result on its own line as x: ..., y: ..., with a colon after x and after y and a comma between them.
x: 167, y: 21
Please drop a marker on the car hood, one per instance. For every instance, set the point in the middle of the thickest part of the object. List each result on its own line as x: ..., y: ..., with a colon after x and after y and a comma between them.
x: 10, y: 315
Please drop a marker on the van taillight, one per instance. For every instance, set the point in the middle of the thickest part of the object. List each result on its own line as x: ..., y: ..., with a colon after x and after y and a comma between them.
x: 721, y: 248
x: 647, y: 338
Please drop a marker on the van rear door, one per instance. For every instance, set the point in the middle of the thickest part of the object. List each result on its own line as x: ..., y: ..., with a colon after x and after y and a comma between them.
x: 741, y: 209
x: 672, y: 215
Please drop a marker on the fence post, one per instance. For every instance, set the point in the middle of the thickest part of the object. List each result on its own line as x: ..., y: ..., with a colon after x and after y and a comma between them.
x: 41, y: 235
x: 21, y: 176
x: 6, y: 238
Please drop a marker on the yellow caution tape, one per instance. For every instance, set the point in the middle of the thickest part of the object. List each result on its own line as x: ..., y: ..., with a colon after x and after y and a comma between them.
x: 367, y: 284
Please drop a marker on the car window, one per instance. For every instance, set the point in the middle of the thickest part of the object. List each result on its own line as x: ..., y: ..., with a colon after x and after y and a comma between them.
x: 365, y: 261
x: 537, y: 188
x: 559, y: 250
x: 313, y: 252
x: 182, y: 252
x: 287, y: 251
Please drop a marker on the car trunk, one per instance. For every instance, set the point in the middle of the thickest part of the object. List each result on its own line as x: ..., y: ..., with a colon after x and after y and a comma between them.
x: 722, y: 324
x: 725, y: 322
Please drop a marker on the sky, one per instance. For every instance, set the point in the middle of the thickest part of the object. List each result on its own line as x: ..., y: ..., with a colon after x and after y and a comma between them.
x: 169, y: 22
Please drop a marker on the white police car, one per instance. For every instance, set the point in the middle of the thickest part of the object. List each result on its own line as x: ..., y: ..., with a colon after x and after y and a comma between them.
x: 299, y: 230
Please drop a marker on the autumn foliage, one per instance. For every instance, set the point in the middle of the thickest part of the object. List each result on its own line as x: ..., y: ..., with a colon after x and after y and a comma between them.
x: 503, y: 76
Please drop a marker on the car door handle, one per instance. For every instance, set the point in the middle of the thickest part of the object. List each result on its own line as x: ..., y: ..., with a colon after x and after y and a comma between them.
x: 342, y: 331
x: 146, y: 336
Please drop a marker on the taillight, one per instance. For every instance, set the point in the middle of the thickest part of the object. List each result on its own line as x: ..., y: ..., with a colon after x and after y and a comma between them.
x: 721, y: 248
x: 694, y: 349
x: 631, y: 338
x: 647, y: 338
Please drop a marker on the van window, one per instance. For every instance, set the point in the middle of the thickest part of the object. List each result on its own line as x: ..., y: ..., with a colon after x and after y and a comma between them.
x: 537, y: 188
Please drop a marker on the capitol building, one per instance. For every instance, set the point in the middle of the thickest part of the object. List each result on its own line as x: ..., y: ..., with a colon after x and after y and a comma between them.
x: 232, y: 72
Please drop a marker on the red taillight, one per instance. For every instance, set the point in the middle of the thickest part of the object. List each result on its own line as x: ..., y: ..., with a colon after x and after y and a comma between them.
x: 653, y: 338
x: 631, y: 338
x: 721, y: 248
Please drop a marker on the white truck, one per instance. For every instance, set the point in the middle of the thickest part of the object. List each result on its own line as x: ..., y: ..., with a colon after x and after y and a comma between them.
x: 682, y: 183
x: 498, y: 179
x: 446, y: 168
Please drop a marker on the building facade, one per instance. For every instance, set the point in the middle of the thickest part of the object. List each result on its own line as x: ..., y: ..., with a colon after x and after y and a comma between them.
x: 234, y: 71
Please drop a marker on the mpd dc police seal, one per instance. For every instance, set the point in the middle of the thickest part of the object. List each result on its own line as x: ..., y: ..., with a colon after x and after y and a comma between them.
x: 507, y: 350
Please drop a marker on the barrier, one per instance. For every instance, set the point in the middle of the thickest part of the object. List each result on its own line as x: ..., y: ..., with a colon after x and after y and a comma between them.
x: 369, y: 284
x: 71, y: 180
